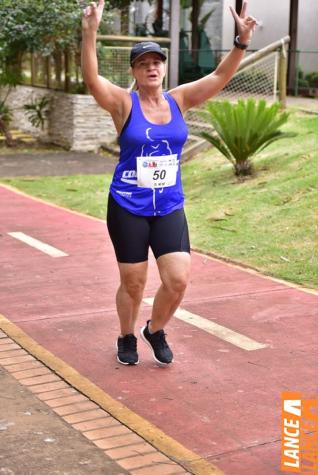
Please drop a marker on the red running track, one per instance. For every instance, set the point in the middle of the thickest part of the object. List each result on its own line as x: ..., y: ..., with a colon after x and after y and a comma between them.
x: 218, y: 400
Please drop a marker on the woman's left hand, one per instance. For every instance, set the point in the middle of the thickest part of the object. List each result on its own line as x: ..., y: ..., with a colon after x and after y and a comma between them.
x: 245, y: 24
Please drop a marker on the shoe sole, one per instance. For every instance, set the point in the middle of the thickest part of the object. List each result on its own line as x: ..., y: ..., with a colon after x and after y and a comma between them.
x: 123, y: 362
x: 160, y: 363
x: 127, y: 364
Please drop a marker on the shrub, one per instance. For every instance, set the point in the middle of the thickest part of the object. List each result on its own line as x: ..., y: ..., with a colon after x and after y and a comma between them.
x: 312, y: 79
x: 37, y: 111
x: 243, y: 129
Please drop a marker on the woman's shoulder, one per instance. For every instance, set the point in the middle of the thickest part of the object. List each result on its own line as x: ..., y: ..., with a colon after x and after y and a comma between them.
x: 173, y: 96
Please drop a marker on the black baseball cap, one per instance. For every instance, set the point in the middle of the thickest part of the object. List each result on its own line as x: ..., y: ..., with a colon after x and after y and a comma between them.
x: 145, y: 47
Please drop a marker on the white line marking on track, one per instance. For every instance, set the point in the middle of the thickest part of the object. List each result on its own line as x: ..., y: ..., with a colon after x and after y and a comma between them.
x: 237, y: 339
x: 41, y: 246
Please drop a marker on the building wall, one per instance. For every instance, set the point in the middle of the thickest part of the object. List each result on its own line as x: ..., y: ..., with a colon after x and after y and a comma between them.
x: 142, y: 13
x: 274, y: 18
x: 308, y: 34
x: 274, y: 22
x: 214, y: 24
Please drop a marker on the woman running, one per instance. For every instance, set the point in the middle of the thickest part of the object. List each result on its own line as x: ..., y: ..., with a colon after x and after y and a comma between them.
x: 145, y: 205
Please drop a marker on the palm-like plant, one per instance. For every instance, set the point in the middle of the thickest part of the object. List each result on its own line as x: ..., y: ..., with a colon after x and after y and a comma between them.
x: 37, y: 111
x: 243, y: 129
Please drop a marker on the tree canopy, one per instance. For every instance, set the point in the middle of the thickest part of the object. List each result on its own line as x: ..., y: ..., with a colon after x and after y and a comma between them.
x: 41, y: 26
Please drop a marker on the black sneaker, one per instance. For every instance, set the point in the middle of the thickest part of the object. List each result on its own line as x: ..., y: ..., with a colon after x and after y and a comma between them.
x: 157, y: 342
x: 127, y: 349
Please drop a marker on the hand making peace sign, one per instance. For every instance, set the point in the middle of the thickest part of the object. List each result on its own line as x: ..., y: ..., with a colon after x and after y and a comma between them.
x: 92, y: 15
x: 245, y: 23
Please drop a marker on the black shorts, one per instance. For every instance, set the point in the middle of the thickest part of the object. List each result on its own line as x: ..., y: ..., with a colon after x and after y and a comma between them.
x: 132, y: 235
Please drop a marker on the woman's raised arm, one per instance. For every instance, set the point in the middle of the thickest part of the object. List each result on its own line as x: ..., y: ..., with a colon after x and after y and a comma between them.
x: 109, y: 96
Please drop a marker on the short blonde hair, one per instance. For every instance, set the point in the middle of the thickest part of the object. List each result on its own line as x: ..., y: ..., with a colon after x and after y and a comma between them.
x: 133, y: 86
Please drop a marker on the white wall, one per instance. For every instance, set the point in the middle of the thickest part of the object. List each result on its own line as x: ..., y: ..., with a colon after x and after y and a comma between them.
x: 274, y: 22
x: 228, y: 25
x: 308, y: 34
x: 213, y: 26
x: 274, y: 18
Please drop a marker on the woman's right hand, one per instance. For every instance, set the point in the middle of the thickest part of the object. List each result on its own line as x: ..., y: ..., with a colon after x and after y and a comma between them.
x: 92, y: 16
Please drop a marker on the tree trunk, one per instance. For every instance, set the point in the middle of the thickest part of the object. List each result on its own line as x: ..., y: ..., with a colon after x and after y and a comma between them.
x: 124, y: 20
x: 157, y: 26
x: 14, y: 66
x: 8, y: 137
x: 67, y: 71
x: 195, y: 29
x: 292, y: 52
x: 244, y: 168
x: 58, y: 68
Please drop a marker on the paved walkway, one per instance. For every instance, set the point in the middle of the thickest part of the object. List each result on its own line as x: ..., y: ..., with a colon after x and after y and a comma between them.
x: 239, y: 340
x: 305, y: 104
x: 59, y: 163
x: 34, y: 438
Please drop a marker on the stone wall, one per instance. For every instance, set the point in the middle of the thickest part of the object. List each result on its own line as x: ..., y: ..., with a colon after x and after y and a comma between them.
x: 17, y: 98
x: 74, y: 121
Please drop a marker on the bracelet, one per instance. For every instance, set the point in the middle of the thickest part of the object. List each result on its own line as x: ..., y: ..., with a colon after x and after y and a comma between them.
x: 238, y: 44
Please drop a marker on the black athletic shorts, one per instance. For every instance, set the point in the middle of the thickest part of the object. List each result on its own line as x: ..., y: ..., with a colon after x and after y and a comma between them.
x: 132, y: 235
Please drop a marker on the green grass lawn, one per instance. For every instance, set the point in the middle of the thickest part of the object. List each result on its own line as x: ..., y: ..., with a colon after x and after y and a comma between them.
x: 84, y: 193
x: 269, y: 221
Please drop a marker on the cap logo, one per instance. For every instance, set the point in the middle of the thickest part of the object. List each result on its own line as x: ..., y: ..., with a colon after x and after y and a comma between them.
x: 147, y: 46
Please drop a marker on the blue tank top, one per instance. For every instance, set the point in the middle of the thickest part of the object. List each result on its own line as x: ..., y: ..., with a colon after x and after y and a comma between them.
x: 147, y: 178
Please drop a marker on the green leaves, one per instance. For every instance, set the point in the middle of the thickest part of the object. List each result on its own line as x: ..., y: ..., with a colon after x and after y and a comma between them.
x: 35, y: 26
x: 243, y: 129
x: 217, y: 142
x: 36, y: 111
x: 39, y: 26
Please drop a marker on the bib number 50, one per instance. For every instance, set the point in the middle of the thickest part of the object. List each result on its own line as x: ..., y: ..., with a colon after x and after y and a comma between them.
x: 159, y: 174
x: 159, y: 171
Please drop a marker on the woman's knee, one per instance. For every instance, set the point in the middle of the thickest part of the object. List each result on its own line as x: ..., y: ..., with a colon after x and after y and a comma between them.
x: 176, y: 283
x: 134, y: 286
x: 174, y: 271
x: 133, y: 279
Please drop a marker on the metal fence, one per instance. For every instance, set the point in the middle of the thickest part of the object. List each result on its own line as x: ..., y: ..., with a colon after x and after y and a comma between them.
x: 258, y: 80
x: 62, y: 72
x: 262, y: 74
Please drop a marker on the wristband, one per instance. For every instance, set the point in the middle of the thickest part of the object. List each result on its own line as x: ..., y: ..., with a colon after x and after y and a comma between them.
x: 238, y: 44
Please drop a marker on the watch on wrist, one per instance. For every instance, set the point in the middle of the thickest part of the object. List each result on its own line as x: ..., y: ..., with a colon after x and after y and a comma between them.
x: 238, y: 44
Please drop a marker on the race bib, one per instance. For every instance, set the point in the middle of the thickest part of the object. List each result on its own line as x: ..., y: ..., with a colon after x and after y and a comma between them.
x: 157, y: 171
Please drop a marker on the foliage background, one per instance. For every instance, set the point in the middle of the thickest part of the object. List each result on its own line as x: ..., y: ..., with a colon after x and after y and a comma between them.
x: 38, y: 26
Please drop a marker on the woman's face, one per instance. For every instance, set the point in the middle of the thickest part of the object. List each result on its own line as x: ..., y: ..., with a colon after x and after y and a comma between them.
x: 149, y: 70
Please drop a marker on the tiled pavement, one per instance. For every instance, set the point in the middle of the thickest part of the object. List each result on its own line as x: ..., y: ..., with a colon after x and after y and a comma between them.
x: 123, y: 449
